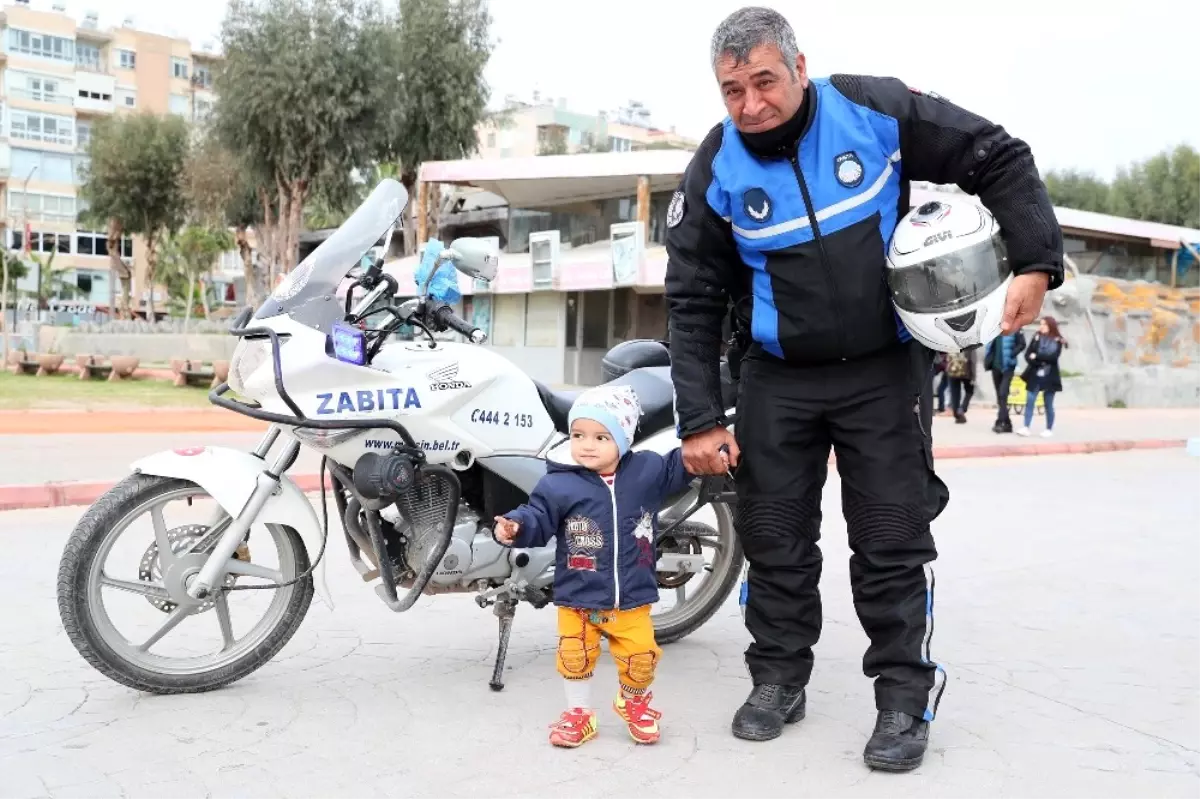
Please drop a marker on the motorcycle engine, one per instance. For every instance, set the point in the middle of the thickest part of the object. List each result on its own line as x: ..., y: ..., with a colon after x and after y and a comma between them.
x: 425, y: 506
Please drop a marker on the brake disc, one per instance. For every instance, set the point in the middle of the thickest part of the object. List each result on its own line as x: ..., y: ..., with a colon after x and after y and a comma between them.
x: 183, y: 539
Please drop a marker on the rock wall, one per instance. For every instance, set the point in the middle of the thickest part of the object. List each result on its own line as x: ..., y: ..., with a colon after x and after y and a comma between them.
x: 1132, y: 343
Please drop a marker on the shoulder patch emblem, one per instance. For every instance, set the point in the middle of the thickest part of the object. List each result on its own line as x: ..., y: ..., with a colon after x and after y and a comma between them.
x: 849, y: 169
x: 675, y: 209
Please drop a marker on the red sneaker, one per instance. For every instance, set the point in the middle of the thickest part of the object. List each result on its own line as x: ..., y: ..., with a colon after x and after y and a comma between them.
x: 639, y: 717
x: 574, y: 728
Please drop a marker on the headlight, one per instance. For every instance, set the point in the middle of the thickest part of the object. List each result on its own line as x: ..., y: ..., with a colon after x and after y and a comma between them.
x: 247, y: 357
x: 324, y: 439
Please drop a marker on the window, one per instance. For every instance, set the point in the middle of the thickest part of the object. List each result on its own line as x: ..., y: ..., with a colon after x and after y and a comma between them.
x: 87, y: 56
x: 41, y: 127
x: 202, y: 77
x: 620, y: 145
x: 491, y: 139
x: 93, y: 242
x: 42, y: 206
x: 83, y: 135
x: 129, y: 101
x: 126, y: 59
x: 179, y: 104
x: 40, y: 45
x: 86, y: 95
x: 179, y: 68
x: 50, y: 167
x: 44, y: 242
x: 43, y: 90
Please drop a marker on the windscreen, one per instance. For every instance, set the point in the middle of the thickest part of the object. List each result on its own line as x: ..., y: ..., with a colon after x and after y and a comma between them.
x: 308, y: 294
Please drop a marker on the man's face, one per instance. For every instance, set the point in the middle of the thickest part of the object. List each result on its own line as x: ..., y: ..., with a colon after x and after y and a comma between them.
x: 763, y: 92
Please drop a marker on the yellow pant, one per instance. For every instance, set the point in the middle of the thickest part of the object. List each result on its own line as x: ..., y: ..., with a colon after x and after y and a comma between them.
x: 630, y: 635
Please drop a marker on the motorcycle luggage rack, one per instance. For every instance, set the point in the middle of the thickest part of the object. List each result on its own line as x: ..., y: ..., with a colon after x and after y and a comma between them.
x: 217, y: 396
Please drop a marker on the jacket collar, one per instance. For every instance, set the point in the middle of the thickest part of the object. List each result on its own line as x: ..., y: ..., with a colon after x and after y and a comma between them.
x: 781, y: 142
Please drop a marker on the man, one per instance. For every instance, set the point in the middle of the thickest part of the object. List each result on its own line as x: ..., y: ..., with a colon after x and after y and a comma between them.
x: 1001, y: 360
x: 786, y: 210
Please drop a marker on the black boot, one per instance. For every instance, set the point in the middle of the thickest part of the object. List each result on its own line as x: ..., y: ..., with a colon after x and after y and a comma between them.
x: 767, y: 709
x: 1002, y: 426
x: 898, y: 742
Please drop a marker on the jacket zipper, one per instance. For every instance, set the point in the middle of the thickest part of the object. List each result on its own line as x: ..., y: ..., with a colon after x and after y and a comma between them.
x: 812, y: 221
x: 616, y: 545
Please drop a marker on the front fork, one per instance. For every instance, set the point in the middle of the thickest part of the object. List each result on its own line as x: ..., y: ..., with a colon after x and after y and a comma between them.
x: 212, y: 573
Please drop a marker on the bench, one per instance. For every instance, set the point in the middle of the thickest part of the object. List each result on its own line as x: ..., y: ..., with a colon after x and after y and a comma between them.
x: 92, y: 366
x: 192, y: 373
x: 37, y: 364
x: 197, y: 373
x: 22, y: 363
x: 118, y: 367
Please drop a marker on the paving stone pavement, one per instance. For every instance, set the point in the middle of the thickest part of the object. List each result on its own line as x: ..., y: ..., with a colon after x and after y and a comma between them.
x: 1068, y: 611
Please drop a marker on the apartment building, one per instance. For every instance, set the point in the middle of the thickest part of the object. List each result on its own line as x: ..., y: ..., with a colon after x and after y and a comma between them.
x: 545, y: 125
x: 58, y: 76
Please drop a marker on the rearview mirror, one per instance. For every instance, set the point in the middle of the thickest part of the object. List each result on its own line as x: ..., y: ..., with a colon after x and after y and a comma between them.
x: 476, y: 258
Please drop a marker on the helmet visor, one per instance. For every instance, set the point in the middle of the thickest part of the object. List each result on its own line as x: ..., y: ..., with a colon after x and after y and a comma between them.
x: 951, y: 281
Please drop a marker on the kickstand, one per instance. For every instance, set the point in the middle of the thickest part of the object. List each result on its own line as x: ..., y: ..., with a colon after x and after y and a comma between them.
x: 506, y: 607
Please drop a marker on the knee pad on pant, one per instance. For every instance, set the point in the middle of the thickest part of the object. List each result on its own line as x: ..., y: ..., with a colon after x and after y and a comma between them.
x: 638, y: 671
x: 778, y: 533
x: 873, y: 525
x: 573, y: 658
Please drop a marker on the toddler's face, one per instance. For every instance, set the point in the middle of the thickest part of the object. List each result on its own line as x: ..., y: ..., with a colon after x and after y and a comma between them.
x: 592, y: 446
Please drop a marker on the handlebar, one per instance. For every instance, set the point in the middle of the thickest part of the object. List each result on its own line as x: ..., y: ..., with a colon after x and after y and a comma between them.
x: 446, y: 316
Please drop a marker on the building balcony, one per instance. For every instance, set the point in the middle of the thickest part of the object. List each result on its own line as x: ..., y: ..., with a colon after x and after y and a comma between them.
x: 94, y: 92
x: 91, y: 67
x: 28, y: 95
x: 89, y: 106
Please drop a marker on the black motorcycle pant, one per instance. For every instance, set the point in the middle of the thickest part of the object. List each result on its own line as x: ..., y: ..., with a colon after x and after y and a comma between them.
x: 876, y: 413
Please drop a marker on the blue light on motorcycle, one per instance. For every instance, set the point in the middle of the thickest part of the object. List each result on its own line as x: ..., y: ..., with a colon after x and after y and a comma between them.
x: 348, y: 344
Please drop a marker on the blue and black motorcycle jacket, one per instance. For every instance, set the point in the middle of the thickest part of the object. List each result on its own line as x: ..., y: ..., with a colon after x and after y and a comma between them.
x: 795, y: 234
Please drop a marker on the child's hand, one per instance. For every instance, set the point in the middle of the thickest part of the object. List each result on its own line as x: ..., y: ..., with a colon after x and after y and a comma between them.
x: 506, y: 530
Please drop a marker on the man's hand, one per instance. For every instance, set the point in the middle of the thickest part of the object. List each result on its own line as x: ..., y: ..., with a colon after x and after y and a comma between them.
x: 506, y: 530
x: 702, y: 452
x: 1024, y: 301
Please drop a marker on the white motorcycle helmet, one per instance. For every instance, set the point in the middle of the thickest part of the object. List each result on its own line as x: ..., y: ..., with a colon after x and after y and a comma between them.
x: 948, y: 271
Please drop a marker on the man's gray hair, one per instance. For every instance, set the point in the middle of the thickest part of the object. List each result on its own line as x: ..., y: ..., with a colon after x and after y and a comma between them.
x: 751, y: 27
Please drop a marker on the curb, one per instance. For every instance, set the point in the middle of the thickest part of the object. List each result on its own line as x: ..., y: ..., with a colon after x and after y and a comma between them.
x: 57, y: 495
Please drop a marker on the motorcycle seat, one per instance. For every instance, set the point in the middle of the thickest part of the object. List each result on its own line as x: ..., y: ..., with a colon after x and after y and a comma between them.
x: 652, y: 384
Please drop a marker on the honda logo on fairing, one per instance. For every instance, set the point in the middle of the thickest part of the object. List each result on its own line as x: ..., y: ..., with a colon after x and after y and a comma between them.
x: 443, y: 379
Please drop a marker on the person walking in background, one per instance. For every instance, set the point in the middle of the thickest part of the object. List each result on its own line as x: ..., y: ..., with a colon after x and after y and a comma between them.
x: 940, y: 381
x: 960, y: 369
x: 1001, y: 360
x: 1042, y: 374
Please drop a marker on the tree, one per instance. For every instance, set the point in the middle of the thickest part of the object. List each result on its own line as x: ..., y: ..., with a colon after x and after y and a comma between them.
x: 442, y: 49
x: 552, y: 140
x: 189, y: 257
x: 1165, y: 188
x: 307, y: 93
x: 1080, y: 190
x: 134, y: 186
x: 221, y: 192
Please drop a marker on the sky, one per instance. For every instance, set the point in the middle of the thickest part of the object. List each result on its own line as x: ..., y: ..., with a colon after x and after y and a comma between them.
x: 1091, y: 86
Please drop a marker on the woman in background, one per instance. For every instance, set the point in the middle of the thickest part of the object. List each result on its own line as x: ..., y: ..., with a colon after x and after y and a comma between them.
x: 1042, y: 374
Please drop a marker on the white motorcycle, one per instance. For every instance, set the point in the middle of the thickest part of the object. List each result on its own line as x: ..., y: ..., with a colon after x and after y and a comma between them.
x: 424, y: 442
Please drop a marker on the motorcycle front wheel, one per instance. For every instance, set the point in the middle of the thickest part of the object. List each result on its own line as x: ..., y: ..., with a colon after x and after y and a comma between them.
x: 183, y: 645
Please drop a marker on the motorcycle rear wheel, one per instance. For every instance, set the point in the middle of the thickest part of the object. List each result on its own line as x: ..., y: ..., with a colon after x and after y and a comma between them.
x: 682, y: 620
